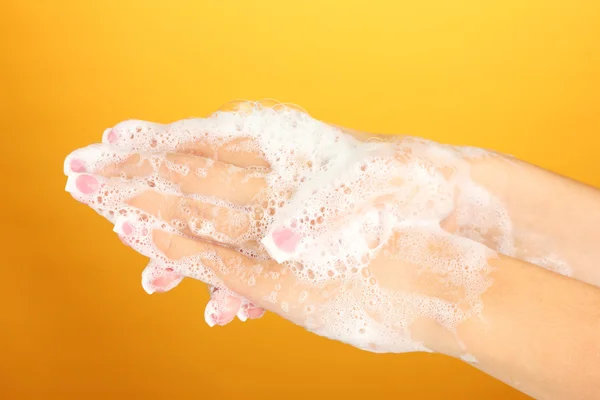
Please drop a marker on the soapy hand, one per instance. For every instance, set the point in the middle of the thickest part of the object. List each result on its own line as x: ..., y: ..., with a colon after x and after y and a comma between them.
x: 351, y: 239
x: 210, y: 143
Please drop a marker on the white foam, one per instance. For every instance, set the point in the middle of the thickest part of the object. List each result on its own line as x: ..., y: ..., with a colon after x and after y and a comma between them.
x: 350, y: 202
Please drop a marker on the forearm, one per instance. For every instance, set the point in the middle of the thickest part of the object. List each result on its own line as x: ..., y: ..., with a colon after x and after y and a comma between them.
x: 538, y: 332
x: 555, y: 220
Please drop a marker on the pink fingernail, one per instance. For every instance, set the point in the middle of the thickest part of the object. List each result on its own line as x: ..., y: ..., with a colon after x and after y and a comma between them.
x: 127, y: 228
x: 85, y: 184
x: 227, y: 310
x: 77, y: 166
x: 165, y: 280
x: 285, y: 239
x: 209, y: 314
x: 225, y: 318
x: 163, y: 283
x: 255, y: 312
x: 221, y: 310
x: 112, y: 136
x: 123, y: 227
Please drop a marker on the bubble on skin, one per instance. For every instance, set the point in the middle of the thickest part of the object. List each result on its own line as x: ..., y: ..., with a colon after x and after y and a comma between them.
x: 181, y: 169
x: 272, y: 297
x: 551, y: 262
x: 336, y: 181
x: 180, y: 225
x: 201, y: 172
x: 303, y: 296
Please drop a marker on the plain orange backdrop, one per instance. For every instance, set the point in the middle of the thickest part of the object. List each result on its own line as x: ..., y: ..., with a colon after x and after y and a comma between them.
x: 521, y: 77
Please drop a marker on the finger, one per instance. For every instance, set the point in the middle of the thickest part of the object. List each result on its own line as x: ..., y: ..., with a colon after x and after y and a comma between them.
x: 240, y: 228
x: 255, y: 312
x: 247, y: 277
x: 229, y: 135
x: 193, y: 217
x: 204, y: 177
x: 198, y: 218
x: 247, y: 134
x: 103, y: 196
x: 222, y: 304
x: 222, y: 139
x: 93, y: 158
x: 222, y: 307
x: 157, y: 278
x: 189, y: 174
x: 210, y: 263
x: 246, y: 309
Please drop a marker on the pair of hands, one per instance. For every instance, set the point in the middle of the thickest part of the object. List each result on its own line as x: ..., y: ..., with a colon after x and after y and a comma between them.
x: 360, y: 240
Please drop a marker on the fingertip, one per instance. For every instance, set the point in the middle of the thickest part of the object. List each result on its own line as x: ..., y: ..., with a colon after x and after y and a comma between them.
x: 222, y: 309
x: 242, y: 315
x: 166, y: 282
x: 92, y: 158
x: 255, y: 312
x: 157, y: 278
x: 147, y: 286
x: 281, y: 243
x: 110, y: 136
x: 210, y: 313
x: 133, y: 134
x: 123, y: 227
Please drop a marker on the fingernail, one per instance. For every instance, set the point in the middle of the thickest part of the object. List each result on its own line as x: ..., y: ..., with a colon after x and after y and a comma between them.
x: 231, y: 308
x: 221, y: 311
x: 85, y: 184
x: 77, y: 166
x: 110, y: 136
x: 147, y: 286
x: 242, y: 316
x: 255, y: 312
x: 132, y: 132
x: 166, y: 282
x: 209, y: 313
x: 285, y: 239
x: 84, y: 159
x: 157, y: 278
x: 93, y: 158
x: 123, y: 226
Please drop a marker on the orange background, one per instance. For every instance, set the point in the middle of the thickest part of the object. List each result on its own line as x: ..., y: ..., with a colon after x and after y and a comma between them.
x: 517, y: 76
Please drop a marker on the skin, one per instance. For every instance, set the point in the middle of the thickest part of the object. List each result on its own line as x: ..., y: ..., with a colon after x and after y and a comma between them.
x: 551, y: 214
x: 510, y: 338
x: 541, y: 338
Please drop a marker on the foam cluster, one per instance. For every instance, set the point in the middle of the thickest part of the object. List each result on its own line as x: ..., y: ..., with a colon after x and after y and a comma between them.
x: 338, y: 211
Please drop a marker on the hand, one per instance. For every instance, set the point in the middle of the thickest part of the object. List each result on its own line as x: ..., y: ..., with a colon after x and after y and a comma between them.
x: 361, y: 230
x: 138, y: 135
